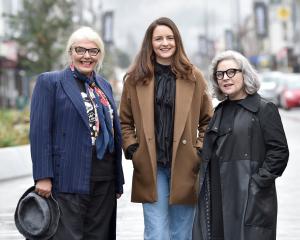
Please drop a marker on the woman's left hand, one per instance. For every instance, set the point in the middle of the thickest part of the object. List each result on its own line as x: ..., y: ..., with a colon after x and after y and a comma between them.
x: 118, y: 195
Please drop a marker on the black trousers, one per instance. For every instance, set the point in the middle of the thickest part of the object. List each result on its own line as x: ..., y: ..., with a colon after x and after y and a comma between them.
x: 88, y: 217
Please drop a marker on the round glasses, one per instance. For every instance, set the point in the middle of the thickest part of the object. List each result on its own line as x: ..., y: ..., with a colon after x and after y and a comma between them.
x: 229, y: 72
x: 91, y: 51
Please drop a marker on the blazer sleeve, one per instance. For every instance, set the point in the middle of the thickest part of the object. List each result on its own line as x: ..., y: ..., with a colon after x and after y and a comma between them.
x: 126, y: 118
x: 277, y: 152
x: 206, y: 110
x: 41, y: 121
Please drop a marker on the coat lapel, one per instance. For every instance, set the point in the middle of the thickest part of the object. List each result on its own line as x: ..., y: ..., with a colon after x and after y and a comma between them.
x: 184, y: 95
x: 145, y: 94
x: 72, y: 91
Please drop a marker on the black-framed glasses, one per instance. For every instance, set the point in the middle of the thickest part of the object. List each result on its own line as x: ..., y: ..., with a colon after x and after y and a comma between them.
x: 91, y: 51
x: 229, y: 72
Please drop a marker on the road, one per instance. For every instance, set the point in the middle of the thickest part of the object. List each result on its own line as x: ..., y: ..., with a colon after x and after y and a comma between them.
x: 130, y: 220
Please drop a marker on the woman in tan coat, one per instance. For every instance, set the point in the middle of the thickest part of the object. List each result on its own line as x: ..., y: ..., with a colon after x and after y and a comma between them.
x: 164, y: 111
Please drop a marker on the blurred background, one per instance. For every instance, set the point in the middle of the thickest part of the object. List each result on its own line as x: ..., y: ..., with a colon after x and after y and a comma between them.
x: 33, y: 36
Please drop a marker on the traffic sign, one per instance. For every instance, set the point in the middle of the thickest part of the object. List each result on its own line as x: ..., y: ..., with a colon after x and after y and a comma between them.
x: 283, y: 13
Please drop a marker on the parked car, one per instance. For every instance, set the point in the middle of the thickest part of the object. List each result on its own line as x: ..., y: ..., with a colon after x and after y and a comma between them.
x: 290, y: 94
x: 272, y: 86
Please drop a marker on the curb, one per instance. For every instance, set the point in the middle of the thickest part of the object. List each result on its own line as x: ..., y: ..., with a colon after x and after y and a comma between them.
x: 15, y: 162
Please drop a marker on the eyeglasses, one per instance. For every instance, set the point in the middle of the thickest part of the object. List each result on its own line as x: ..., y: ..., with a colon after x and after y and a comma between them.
x: 229, y: 72
x: 91, y: 51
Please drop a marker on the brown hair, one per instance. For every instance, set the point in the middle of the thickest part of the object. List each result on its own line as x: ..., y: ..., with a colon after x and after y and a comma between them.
x: 142, y: 70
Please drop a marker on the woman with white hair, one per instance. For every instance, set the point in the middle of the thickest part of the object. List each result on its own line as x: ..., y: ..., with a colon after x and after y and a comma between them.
x: 244, y: 151
x: 76, y: 142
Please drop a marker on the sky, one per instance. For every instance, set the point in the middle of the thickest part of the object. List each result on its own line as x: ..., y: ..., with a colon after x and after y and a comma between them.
x: 192, y: 17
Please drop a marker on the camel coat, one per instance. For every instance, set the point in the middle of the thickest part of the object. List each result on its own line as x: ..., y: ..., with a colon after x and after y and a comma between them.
x: 193, y: 110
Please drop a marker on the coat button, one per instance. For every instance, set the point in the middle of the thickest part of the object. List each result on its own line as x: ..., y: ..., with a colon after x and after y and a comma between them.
x: 184, y: 141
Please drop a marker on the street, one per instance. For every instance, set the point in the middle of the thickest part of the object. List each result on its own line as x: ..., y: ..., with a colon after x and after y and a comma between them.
x: 130, y: 220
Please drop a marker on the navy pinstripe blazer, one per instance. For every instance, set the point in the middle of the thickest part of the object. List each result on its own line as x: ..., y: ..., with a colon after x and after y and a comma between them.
x: 60, y: 138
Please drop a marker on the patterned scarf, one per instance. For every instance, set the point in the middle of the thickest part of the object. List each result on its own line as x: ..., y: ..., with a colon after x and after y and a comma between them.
x: 104, y: 125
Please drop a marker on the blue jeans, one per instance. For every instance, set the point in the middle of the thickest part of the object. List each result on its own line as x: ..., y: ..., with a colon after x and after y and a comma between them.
x: 163, y: 221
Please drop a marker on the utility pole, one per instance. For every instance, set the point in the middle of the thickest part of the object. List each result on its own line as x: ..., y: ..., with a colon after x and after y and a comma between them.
x: 238, y: 25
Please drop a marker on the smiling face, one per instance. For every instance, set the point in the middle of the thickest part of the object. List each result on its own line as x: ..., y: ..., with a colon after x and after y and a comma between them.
x: 163, y: 43
x: 85, y: 63
x: 233, y: 86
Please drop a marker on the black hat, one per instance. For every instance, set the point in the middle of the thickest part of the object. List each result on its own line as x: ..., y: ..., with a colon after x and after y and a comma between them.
x: 36, y: 217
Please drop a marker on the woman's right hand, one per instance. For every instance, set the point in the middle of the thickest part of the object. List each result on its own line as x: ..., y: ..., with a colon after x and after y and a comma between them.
x: 43, y: 187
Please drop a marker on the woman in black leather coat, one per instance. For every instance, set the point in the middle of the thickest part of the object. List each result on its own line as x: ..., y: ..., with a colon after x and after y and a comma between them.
x: 244, y: 151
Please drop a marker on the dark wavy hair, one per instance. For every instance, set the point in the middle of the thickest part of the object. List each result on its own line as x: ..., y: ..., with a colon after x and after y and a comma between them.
x: 142, y: 69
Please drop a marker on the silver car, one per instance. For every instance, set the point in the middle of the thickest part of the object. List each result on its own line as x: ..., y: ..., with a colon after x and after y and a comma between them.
x: 271, y: 86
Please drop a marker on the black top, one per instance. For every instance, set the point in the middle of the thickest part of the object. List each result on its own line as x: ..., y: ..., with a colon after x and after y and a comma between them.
x: 228, y: 113
x: 164, y: 107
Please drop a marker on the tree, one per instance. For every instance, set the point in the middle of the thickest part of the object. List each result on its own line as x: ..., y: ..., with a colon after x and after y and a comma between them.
x: 41, y: 30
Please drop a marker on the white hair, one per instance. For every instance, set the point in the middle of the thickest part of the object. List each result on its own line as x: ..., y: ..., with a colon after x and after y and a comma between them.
x: 251, y: 79
x: 86, y: 33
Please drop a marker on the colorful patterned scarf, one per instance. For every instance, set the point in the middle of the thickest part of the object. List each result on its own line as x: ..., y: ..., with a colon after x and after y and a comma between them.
x: 104, y: 123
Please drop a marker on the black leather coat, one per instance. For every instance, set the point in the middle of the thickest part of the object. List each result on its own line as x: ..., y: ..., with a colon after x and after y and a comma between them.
x: 251, y: 159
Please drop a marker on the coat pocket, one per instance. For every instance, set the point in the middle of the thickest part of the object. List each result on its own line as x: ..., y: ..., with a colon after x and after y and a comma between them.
x: 261, y: 210
x: 135, y: 159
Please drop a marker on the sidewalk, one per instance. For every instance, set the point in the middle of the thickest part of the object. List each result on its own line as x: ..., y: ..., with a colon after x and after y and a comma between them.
x: 15, y: 178
x: 15, y: 162
x: 130, y: 222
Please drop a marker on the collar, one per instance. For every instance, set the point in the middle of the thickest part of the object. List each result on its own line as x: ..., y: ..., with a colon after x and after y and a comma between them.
x: 161, y: 69
x: 251, y: 103
x: 89, y: 80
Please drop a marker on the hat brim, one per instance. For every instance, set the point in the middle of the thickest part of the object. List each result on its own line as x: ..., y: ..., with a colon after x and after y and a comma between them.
x: 55, y: 215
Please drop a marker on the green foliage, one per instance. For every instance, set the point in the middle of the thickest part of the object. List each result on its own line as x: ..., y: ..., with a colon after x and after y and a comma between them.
x: 41, y: 30
x: 14, y: 127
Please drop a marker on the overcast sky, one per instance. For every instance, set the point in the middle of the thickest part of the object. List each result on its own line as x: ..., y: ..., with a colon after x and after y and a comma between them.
x: 193, y: 17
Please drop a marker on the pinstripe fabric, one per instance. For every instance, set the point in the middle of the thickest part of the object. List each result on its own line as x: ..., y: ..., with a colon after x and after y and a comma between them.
x: 61, y: 146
